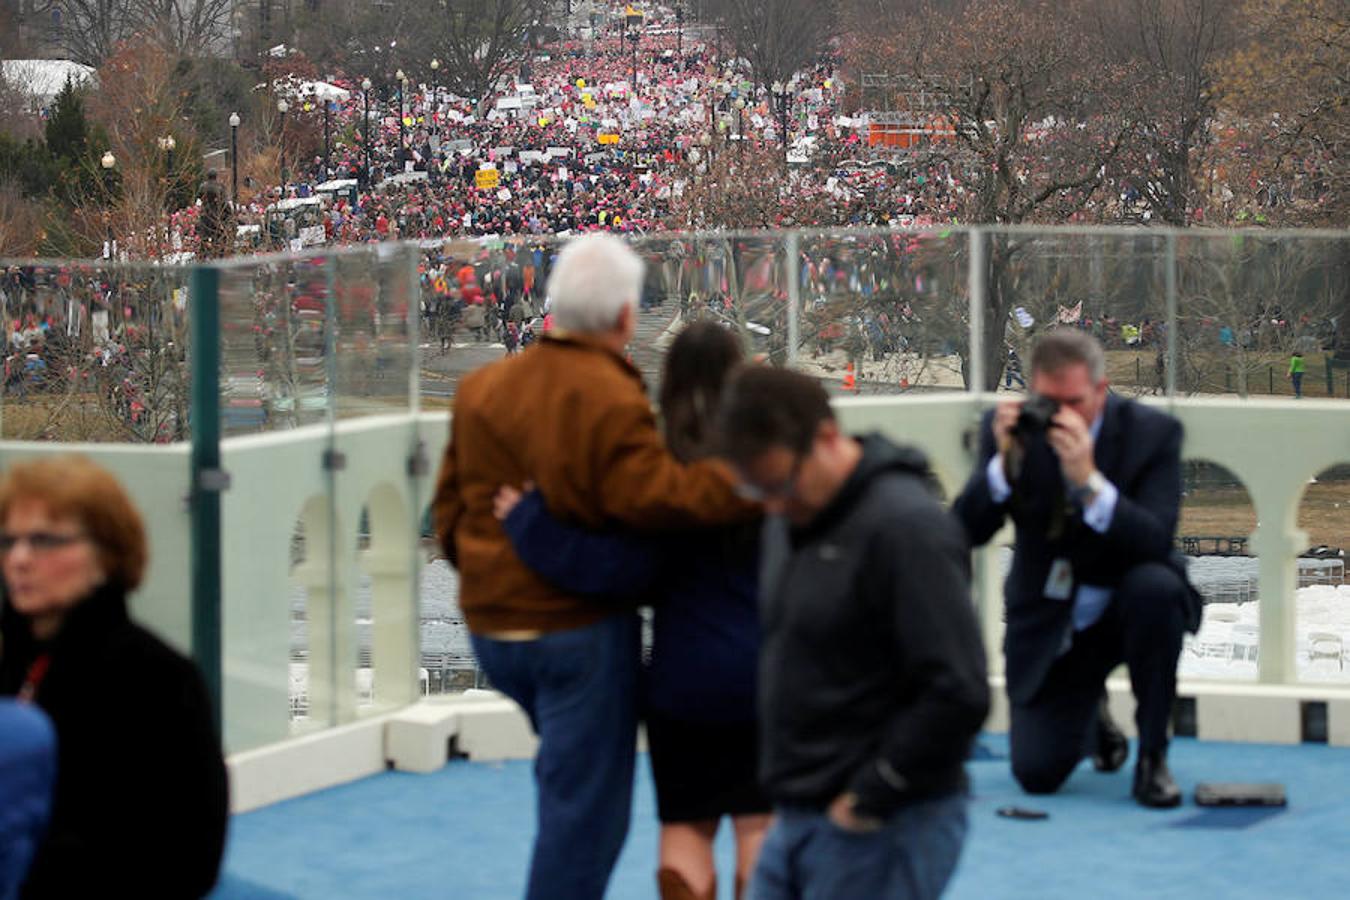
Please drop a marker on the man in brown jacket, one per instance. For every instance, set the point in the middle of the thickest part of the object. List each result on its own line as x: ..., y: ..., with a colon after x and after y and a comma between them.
x: 571, y: 416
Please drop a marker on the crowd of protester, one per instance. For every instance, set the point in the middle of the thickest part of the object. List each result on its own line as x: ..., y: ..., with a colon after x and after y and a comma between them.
x: 587, y: 135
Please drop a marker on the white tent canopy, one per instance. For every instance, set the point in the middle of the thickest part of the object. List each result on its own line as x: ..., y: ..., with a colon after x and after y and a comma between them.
x: 43, y: 79
x: 315, y: 90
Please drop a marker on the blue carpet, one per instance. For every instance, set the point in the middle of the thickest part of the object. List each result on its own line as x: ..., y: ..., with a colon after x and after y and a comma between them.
x: 1229, y: 818
x: 464, y: 833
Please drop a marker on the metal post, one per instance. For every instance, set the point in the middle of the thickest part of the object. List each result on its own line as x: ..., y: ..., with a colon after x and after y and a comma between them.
x: 366, y: 134
x: 207, y: 482
x: 794, y: 295
x: 330, y: 345
x: 976, y: 287
x: 234, y: 164
x: 400, y: 124
x: 281, y: 153
x: 1172, y: 324
x: 327, y: 108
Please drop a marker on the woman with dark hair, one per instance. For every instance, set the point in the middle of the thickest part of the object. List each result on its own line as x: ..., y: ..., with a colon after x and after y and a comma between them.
x: 141, y: 798
x: 699, y: 690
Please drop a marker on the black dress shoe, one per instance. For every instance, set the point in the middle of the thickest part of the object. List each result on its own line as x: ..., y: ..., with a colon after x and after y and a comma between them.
x: 1111, y: 749
x: 1153, y: 784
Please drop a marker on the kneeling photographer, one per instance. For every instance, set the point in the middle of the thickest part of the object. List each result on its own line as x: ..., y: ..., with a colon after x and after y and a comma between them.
x: 1093, y: 485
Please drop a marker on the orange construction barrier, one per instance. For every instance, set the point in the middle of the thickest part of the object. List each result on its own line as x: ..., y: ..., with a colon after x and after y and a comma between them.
x: 850, y: 383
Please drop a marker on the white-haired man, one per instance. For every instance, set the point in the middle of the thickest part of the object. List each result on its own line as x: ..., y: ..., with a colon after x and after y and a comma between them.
x: 572, y: 416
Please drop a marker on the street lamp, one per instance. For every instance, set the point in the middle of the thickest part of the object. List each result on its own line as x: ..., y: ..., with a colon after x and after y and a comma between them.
x: 633, y: 26
x: 740, y: 124
x: 166, y: 145
x: 679, y: 32
x: 282, y: 108
x: 402, y: 81
x: 327, y: 139
x: 365, y: 129
x: 780, y: 93
x: 435, y: 88
x: 723, y: 88
x: 108, y: 162
x: 234, y: 158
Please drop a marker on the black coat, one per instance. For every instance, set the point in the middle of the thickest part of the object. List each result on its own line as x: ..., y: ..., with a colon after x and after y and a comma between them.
x: 872, y: 672
x: 1139, y: 451
x: 141, y: 794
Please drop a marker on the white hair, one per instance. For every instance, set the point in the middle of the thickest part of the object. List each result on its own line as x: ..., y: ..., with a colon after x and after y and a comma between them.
x: 595, y: 277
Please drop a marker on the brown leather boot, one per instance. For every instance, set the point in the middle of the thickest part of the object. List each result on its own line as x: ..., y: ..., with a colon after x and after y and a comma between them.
x: 673, y: 887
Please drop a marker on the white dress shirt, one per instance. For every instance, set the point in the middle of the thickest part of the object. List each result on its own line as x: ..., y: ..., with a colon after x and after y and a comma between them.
x: 1089, y: 601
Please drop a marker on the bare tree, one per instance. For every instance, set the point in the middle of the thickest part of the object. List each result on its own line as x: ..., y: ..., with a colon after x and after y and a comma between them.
x: 1247, y: 303
x: 1286, y: 89
x: 478, y: 41
x: 92, y: 29
x: 778, y: 38
x: 475, y: 42
x: 1022, y: 102
x: 1176, y: 44
x: 139, y: 105
x: 184, y: 27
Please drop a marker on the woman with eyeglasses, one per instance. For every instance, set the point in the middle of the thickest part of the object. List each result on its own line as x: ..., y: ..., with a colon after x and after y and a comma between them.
x: 141, y: 797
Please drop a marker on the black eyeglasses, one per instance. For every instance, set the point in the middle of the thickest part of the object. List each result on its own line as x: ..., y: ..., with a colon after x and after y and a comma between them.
x: 38, y: 541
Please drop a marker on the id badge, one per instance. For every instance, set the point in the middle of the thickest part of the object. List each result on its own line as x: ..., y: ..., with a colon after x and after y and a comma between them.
x: 1059, y: 584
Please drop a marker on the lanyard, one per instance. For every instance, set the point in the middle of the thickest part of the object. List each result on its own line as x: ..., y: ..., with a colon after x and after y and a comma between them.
x: 33, y: 680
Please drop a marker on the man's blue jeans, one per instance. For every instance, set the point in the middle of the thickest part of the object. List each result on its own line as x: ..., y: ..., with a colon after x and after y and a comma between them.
x: 912, y: 857
x: 579, y: 688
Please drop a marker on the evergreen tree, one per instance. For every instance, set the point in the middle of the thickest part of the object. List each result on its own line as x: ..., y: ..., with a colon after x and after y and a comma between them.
x: 67, y: 130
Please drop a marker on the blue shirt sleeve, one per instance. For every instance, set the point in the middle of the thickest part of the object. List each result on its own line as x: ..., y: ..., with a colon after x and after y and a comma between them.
x: 999, y: 489
x: 579, y: 560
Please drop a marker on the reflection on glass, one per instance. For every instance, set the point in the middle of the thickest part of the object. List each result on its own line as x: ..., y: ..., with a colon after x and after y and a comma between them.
x: 95, y: 353
x: 273, y: 338
x: 1249, y: 302
x: 884, y: 312
x: 1109, y: 284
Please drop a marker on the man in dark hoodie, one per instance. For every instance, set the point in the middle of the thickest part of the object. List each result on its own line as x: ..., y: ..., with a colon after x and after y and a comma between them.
x: 871, y: 675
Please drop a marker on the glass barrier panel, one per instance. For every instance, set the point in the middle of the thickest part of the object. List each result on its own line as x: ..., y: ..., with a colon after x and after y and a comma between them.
x: 274, y: 334
x: 460, y: 285
x: 1251, y: 302
x: 1110, y: 284
x: 95, y: 352
x: 883, y: 312
x: 374, y: 308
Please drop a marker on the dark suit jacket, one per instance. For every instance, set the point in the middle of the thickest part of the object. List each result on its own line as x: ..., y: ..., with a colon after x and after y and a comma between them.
x: 1139, y: 451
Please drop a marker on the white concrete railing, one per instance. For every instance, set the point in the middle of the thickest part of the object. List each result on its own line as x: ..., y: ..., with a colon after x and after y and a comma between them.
x: 387, y: 464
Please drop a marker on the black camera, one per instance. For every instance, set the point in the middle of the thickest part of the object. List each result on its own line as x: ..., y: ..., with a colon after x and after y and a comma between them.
x: 1035, y: 417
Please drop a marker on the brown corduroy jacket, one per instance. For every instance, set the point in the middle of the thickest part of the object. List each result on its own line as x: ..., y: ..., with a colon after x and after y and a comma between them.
x: 573, y: 417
